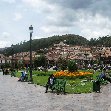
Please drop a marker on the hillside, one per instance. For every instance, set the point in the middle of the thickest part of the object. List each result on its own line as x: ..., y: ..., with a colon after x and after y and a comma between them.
x: 42, y: 43
x: 70, y: 39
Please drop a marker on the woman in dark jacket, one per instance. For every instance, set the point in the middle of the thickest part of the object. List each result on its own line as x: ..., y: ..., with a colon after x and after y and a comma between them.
x: 50, y: 82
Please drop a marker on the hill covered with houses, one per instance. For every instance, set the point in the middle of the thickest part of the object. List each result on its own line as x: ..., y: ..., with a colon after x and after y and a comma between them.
x: 42, y: 43
x: 69, y: 39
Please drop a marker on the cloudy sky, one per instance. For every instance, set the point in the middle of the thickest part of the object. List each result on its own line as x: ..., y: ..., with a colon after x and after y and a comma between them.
x: 88, y: 18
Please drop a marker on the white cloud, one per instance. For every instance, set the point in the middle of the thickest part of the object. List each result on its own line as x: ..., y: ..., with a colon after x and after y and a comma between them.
x: 5, y: 34
x: 4, y: 40
x: 93, y: 26
x: 9, y: 1
x: 40, y: 6
x: 54, y: 30
x: 4, y: 44
x: 18, y: 16
x: 34, y: 3
x: 7, y: 39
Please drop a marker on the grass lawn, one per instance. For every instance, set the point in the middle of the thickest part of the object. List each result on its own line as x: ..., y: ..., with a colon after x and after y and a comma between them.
x: 73, y: 85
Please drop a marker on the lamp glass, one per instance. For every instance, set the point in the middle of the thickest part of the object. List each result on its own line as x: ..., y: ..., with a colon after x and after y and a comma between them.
x: 31, y: 29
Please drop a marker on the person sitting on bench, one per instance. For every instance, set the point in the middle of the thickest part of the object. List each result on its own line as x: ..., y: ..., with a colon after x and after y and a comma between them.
x: 22, y: 76
x: 103, y: 76
x: 50, y: 82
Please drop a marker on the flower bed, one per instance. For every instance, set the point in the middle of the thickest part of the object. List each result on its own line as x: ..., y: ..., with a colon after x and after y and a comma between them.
x: 72, y: 74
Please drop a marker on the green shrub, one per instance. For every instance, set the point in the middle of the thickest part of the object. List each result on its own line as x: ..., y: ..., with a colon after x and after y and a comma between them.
x: 72, y: 67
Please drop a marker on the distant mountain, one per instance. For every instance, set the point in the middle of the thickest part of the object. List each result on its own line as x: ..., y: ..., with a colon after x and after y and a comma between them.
x: 42, y: 43
x: 1, y: 49
x: 70, y: 39
x: 101, y: 41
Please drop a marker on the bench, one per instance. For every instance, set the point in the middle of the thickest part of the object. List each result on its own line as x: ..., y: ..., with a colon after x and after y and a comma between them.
x: 59, y: 86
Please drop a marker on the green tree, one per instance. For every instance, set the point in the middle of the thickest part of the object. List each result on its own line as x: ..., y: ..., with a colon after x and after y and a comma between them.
x: 62, y: 63
x: 40, y: 61
x: 72, y: 67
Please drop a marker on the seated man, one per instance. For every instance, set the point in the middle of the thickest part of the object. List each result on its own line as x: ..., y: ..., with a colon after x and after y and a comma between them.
x: 50, y: 82
x: 22, y: 76
x: 103, y: 76
x: 25, y: 76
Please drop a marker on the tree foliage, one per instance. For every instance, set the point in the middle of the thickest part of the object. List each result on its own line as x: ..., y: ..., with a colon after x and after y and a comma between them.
x: 62, y: 63
x: 40, y: 61
x: 72, y: 67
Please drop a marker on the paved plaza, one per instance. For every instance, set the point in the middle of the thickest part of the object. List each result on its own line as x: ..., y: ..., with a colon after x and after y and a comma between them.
x: 21, y: 96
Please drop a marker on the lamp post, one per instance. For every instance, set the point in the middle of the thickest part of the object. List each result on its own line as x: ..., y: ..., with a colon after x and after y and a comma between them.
x: 12, y: 56
x: 5, y: 59
x: 31, y: 31
x: 45, y: 51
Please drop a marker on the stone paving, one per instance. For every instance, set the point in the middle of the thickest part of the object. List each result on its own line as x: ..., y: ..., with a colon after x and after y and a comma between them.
x: 21, y: 96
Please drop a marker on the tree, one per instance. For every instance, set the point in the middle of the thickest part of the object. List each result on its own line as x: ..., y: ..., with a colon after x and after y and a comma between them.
x: 72, y: 67
x: 62, y: 63
x: 40, y: 61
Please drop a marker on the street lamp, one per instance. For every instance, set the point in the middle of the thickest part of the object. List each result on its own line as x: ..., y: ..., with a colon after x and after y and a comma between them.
x: 5, y: 59
x: 31, y: 31
x: 12, y: 56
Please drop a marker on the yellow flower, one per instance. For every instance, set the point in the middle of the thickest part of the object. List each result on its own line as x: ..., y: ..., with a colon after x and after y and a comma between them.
x: 70, y: 74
